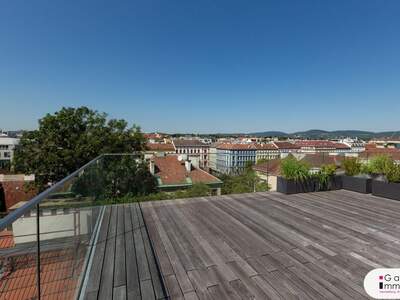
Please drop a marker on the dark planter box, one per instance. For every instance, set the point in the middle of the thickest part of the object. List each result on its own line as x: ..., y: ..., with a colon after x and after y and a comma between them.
x: 293, y: 187
x: 334, y: 183
x: 357, y: 184
x: 386, y: 189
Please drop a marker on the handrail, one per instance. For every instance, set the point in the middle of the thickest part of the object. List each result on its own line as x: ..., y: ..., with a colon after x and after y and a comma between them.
x: 4, y: 222
x: 42, y: 196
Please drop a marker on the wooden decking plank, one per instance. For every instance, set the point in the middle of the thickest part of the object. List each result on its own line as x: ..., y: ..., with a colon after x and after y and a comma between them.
x: 146, y: 289
x: 155, y: 276
x: 180, y: 272
x: 319, y: 245
x: 172, y: 285
x: 93, y: 284
x: 132, y: 276
x: 241, y: 289
x: 119, y: 293
x: 141, y: 258
x: 107, y: 274
x: 119, y: 265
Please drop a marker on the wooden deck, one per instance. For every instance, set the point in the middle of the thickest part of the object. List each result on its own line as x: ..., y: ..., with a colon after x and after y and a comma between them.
x: 270, y: 245
x: 123, y: 265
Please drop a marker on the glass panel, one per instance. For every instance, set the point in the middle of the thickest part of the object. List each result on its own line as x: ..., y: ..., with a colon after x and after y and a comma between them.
x: 68, y: 221
x: 18, y: 255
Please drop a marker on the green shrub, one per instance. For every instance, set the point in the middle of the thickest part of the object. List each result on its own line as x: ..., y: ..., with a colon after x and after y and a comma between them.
x: 352, y: 166
x: 293, y: 169
x: 392, y: 172
x: 380, y: 163
x: 323, y: 176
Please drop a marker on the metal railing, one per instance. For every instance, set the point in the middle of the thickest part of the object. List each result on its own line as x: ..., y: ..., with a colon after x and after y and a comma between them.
x: 46, y: 243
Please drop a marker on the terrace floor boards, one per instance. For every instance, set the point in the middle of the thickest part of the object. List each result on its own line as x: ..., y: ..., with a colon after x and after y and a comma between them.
x: 272, y: 246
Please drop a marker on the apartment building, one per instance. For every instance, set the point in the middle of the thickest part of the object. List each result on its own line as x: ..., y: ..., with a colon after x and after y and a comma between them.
x: 194, y: 150
x: 285, y: 147
x: 322, y: 146
x: 158, y: 149
x: 266, y: 151
x: 7, y: 147
x: 233, y: 158
x: 356, y: 145
x: 212, y: 157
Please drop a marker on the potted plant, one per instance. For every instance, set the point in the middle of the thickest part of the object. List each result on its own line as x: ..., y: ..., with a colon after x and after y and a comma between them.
x: 296, y: 177
x: 356, y: 176
x: 389, y: 186
x: 327, y: 179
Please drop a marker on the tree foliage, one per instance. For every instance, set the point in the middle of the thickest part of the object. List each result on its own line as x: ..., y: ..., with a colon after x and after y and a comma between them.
x: 114, y: 177
x: 246, y: 182
x: 68, y: 139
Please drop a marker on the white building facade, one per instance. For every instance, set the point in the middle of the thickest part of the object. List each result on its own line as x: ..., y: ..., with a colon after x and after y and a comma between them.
x: 7, y: 147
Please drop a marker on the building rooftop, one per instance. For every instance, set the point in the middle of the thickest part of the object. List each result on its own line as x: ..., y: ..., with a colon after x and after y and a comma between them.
x: 269, y: 245
x: 160, y: 147
x: 318, y: 160
x: 232, y: 146
x: 286, y: 145
x: 321, y: 144
x: 171, y: 171
x: 272, y: 167
x: 268, y: 146
x: 189, y: 143
x: 248, y: 246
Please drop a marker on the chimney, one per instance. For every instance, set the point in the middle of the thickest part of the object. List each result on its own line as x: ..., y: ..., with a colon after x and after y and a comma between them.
x: 151, y: 167
x: 188, y: 166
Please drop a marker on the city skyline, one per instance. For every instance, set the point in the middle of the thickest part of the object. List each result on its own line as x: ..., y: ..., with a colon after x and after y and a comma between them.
x: 205, y: 68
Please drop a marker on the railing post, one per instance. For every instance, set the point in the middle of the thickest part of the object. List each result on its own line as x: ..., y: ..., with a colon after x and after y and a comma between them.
x: 38, y: 252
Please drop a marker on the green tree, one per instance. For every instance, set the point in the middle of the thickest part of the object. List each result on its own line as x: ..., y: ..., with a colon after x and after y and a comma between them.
x: 68, y: 139
x: 246, y: 182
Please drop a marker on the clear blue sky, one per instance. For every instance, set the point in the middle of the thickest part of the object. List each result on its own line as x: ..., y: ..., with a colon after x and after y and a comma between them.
x: 204, y: 66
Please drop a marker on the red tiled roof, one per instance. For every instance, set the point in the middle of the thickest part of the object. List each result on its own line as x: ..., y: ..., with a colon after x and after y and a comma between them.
x: 286, y: 145
x: 16, y: 191
x: 189, y: 143
x: 60, y: 270
x: 171, y: 171
x: 319, y: 160
x: 266, y: 147
x: 237, y: 147
x: 6, y: 239
x: 273, y: 167
x: 393, y: 153
x: 321, y: 144
x: 153, y: 135
x: 160, y: 147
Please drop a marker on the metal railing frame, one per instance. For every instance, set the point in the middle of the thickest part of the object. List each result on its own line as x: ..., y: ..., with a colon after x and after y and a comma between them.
x: 34, y: 203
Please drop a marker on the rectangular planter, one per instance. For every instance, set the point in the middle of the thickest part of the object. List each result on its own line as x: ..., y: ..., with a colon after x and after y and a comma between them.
x: 335, y: 183
x: 386, y: 189
x: 293, y: 187
x: 357, y: 184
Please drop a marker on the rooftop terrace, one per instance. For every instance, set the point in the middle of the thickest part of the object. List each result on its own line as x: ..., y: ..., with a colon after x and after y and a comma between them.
x: 262, y: 245
x: 65, y: 244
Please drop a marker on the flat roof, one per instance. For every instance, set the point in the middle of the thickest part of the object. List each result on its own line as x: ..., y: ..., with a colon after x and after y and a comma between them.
x: 270, y: 245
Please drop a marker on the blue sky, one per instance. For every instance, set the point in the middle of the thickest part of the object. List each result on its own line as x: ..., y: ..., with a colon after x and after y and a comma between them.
x: 204, y: 66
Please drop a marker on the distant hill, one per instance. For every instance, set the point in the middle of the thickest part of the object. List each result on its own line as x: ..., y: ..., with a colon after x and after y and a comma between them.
x: 323, y: 134
x: 270, y: 133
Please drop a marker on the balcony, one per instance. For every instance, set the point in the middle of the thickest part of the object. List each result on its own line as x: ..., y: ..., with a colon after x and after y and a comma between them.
x: 68, y: 243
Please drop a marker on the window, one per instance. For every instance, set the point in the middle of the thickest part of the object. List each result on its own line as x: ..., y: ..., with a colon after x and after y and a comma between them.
x: 7, y: 154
